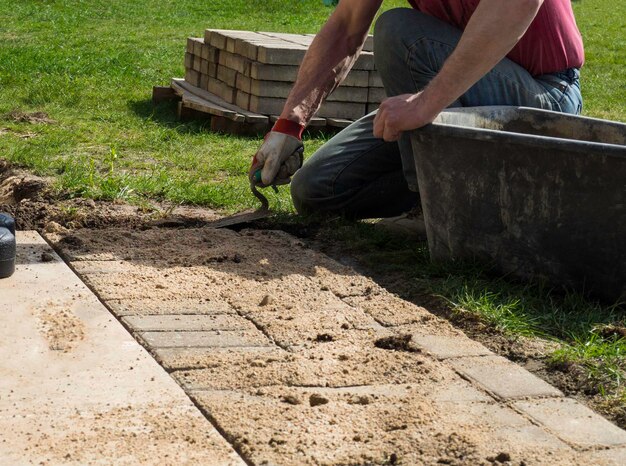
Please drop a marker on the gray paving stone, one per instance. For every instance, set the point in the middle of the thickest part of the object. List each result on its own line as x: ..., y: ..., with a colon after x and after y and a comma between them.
x: 285, y: 55
x: 234, y: 62
x: 461, y: 391
x: 188, y: 323
x: 375, y: 80
x: 345, y: 110
x: 192, y: 77
x: 212, y: 70
x: 204, y: 67
x: 215, y: 38
x: 242, y: 100
x: 369, y: 44
x: 503, y: 378
x: 365, y: 62
x: 129, y: 307
x: 219, y: 339
x: 204, y: 51
x: 266, y: 105
x: 188, y: 60
x: 200, y: 358
x: 197, y: 63
x: 356, y: 78
x: 376, y: 95
x: 226, y: 75
x: 610, y: 457
x: 204, y: 81
x: 222, y: 90
x: 190, y: 46
x: 197, y: 42
x: 273, y: 73
x: 243, y: 83
x: 573, y: 422
x: 443, y: 347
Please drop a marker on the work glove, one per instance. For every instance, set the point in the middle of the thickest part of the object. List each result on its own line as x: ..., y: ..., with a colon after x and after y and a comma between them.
x: 280, y: 155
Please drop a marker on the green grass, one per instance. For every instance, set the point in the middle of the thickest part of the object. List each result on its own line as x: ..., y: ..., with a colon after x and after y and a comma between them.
x: 91, y: 64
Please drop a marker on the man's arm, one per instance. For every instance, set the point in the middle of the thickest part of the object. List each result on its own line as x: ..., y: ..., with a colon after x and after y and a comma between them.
x: 493, y: 30
x: 327, y: 62
x: 330, y: 57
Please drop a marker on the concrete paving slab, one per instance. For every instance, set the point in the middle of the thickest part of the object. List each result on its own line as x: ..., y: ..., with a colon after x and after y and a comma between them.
x: 77, y: 389
x: 445, y: 347
x: 185, y: 323
x: 503, y: 378
x: 180, y: 306
x: 609, y: 457
x: 573, y: 422
x: 216, y: 339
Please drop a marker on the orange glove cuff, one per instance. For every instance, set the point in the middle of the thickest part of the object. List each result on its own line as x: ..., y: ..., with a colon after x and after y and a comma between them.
x: 289, y: 127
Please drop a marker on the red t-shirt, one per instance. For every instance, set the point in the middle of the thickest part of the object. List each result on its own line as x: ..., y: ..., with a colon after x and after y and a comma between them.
x: 551, y: 43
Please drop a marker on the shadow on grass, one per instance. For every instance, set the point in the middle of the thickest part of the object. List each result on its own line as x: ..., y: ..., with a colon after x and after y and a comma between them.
x: 165, y: 114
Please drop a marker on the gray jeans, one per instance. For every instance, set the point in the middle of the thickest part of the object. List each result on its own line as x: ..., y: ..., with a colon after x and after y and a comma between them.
x: 360, y: 176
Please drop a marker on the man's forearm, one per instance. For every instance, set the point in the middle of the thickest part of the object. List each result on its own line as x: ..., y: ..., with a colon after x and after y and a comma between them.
x: 493, y: 30
x: 329, y: 58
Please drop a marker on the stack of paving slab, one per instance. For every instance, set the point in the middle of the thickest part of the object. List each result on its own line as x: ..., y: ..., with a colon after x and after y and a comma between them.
x: 246, y: 77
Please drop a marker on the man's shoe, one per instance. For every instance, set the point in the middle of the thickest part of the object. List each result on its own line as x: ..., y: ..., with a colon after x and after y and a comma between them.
x: 410, y: 224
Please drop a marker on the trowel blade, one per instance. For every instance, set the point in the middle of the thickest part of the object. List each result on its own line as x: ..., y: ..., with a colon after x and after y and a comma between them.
x: 237, y: 219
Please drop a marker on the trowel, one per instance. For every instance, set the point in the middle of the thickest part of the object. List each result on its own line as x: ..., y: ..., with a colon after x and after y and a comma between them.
x: 247, y: 216
x: 254, y: 175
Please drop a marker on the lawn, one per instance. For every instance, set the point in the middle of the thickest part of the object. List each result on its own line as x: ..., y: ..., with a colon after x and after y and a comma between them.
x: 91, y: 64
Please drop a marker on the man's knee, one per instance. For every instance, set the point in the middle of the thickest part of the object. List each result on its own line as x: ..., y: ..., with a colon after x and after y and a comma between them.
x: 386, y: 37
x: 303, y: 189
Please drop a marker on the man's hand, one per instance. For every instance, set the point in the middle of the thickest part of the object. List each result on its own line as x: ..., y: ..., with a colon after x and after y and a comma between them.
x: 280, y: 155
x: 402, y: 113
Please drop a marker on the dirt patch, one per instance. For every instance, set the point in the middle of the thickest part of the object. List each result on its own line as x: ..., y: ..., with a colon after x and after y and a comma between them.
x: 19, y: 116
x: 19, y: 134
x: 61, y: 328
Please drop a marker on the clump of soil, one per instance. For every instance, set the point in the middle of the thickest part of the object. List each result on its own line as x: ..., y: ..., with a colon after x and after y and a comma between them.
x: 317, y: 400
x: 16, y: 188
x: 62, y: 329
x: 397, y: 343
x: 324, y: 338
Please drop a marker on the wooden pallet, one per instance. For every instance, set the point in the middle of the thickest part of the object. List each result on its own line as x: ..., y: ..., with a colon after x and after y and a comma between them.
x: 226, y: 117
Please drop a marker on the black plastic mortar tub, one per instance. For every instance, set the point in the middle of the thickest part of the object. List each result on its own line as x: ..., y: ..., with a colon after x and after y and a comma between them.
x: 538, y: 194
x: 7, y: 253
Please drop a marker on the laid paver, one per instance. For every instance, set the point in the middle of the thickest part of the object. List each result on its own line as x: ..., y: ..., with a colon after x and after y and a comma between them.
x: 186, y: 322
x: 218, y: 339
x: 612, y: 457
x: 503, y: 378
x: 77, y: 388
x: 573, y: 422
x: 444, y: 347
x: 148, y: 306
